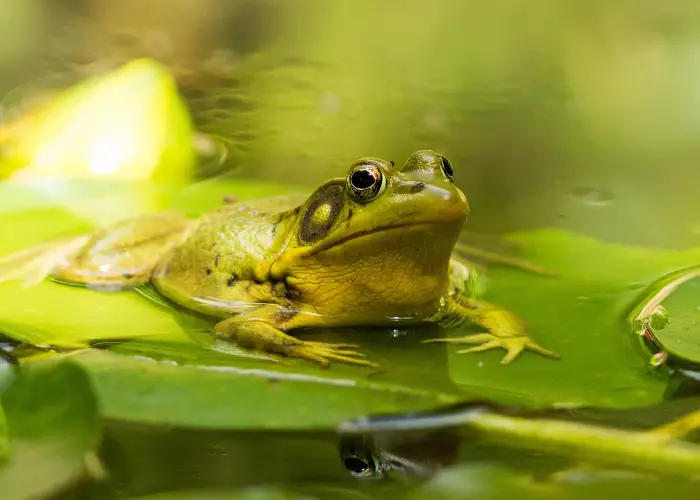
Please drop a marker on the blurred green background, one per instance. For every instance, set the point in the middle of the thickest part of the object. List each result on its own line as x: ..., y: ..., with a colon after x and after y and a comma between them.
x: 560, y: 113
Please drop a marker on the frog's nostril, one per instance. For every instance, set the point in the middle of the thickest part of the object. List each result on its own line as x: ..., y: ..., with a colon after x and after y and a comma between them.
x: 418, y: 187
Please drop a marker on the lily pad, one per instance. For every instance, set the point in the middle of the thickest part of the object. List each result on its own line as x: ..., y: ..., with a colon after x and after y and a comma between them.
x: 52, y: 426
x: 246, y: 395
x: 681, y: 337
x: 581, y: 314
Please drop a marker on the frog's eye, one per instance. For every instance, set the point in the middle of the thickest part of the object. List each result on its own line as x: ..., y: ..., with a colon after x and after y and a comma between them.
x: 446, y: 167
x: 366, y: 182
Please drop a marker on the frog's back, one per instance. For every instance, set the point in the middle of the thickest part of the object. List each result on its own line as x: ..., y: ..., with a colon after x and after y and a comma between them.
x: 212, y: 270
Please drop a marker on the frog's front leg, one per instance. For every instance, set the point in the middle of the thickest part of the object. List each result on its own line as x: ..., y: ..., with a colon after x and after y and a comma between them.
x: 505, y: 329
x: 264, y: 329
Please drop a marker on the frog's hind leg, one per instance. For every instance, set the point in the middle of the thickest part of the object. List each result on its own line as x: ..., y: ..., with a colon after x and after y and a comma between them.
x: 33, y: 265
x: 505, y: 329
x: 124, y: 254
x: 119, y: 256
x: 263, y: 329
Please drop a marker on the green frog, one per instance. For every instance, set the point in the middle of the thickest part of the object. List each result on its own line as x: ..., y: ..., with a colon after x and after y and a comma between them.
x: 372, y: 248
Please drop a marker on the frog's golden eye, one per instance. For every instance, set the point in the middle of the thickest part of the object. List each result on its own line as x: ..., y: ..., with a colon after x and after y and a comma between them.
x: 366, y: 182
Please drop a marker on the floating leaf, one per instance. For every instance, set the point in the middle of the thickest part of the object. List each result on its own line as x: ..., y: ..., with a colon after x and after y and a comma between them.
x: 679, y: 336
x: 90, y: 130
x: 244, y: 395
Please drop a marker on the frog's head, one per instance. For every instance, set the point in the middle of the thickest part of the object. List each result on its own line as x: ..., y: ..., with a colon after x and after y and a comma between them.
x: 380, y: 222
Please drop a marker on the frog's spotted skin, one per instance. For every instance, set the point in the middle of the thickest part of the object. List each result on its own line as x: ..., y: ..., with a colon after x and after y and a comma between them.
x: 372, y: 248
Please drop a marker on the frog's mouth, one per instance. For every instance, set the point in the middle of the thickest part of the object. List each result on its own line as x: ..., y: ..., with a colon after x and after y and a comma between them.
x: 327, y: 245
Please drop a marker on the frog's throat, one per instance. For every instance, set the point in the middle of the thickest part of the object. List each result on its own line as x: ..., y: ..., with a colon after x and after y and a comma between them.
x: 280, y: 268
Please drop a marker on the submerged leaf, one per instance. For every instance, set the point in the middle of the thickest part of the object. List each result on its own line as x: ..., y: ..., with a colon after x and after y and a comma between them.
x: 253, y: 493
x: 53, y: 424
x: 470, y: 481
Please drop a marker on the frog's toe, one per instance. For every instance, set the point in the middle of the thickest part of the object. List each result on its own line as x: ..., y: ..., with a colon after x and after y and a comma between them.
x: 478, y: 338
x: 493, y: 344
x: 326, y: 345
x: 323, y: 354
x: 514, y: 345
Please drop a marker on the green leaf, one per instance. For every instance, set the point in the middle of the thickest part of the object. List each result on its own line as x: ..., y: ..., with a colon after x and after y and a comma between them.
x: 53, y: 424
x: 680, y: 338
x: 581, y: 314
x: 247, y: 395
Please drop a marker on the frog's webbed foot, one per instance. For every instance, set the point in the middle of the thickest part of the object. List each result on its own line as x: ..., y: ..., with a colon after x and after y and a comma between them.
x: 323, y: 353
x: 505, y: 330
x: 260, y: 330
x: 514, y: 345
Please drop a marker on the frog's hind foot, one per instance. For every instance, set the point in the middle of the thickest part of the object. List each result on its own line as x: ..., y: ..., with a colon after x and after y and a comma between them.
x: 514, y: 345
x: 323, y: 353
x: 33, y: 265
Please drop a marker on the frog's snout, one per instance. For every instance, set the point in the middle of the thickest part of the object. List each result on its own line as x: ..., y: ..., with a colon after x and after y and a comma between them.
x: 448, y: 202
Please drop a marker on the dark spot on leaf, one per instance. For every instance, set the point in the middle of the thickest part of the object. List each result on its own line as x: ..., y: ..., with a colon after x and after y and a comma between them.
x: 418, y: 187
x: 208, y: 271
x: 391, y: 162
x: 217, y: 260
x: 127, y: 276
x: 232, y: 280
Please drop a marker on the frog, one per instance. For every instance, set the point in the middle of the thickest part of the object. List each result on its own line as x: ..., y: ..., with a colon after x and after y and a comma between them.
x: 373, y: 248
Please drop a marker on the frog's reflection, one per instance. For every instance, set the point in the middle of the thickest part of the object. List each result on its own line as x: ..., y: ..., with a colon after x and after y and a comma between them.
x: 413, y: 457
x: 140, y: 459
